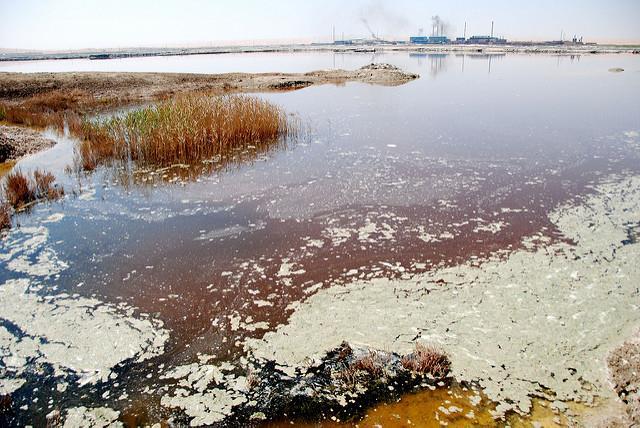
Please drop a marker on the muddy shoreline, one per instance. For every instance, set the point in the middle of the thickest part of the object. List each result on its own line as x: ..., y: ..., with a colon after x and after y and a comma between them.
x: 96, y: 91
x: 17, y: 142
x: 524, y: 47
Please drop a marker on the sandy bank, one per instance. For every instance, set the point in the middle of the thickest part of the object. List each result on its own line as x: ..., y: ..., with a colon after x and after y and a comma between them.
x: 16, y: 142
x: 133, y: 87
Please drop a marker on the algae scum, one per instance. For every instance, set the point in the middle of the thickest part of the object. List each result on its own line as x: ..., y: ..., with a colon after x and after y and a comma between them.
x: 491, y: 208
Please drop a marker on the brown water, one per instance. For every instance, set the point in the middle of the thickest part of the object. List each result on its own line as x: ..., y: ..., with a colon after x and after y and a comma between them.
x: 453, y: 406
x: 386, y: 182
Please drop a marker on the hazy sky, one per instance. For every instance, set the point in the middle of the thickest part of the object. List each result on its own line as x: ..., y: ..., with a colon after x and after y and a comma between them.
x: 74, y: 24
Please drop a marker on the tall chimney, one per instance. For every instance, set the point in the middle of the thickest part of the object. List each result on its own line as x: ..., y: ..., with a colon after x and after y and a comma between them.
x: 492, y: 29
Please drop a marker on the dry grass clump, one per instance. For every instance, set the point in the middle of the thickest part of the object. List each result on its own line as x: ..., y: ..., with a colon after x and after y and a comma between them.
x: 185, y: 129
x: 45, y: 186
x: 372, y: 363
x: 20, y: 190
x: 22, y: 115
x: 347, y: 374
x: 45, y: 109
x: 54, y: 101
x: 427, y: 360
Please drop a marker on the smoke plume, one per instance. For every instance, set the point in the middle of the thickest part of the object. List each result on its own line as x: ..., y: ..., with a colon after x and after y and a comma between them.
x: 439, y: 27
x: 384, y: 19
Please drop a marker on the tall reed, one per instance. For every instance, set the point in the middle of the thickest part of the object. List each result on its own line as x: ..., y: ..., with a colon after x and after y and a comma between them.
x: 185, y: 129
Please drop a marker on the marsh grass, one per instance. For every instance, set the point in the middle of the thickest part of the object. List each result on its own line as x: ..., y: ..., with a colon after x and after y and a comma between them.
x: 45, y: 187
x: 48, y: 109
x: 20, y: 115
x: 427, y: 359
x: 183, y: 130
x: 372, y: 363
x: 56, y: 101
x: 20, y: 190
x: 367, y: 367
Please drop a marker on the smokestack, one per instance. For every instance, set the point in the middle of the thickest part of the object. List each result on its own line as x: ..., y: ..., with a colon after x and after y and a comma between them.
x: 334, y: 34
x: 464, y: 34
x: 492, y: 29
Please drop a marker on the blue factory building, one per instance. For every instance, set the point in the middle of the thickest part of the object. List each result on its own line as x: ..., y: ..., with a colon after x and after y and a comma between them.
x: 429, y: 40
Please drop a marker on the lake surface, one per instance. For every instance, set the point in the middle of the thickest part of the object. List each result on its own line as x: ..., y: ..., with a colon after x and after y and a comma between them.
x: 384, y: 181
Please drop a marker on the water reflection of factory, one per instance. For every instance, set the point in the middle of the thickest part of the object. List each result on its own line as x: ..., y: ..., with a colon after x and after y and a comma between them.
x: 437, y: 62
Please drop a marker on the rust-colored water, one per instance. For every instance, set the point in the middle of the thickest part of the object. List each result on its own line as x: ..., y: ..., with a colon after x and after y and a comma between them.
x: 454, y: 406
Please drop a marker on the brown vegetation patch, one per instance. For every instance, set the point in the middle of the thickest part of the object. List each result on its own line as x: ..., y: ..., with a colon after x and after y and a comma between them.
x: 372, y: 363
x: 18, y: 189
x: 185, y: 129
x: 427, y: 359
x: 21, y: 115
x: 45, y: 186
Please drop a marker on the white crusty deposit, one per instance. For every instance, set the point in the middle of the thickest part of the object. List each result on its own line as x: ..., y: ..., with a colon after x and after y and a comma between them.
x: 74, y: 335
x: 542, y: 319
x: 197, y: 396
x: 100, y: 417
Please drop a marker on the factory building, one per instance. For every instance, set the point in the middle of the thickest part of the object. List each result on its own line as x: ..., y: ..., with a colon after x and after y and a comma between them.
x: 485, y: 40
x: 429, y: 40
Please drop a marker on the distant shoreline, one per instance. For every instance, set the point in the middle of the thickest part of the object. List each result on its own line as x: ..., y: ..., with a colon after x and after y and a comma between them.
x: 106, y: 54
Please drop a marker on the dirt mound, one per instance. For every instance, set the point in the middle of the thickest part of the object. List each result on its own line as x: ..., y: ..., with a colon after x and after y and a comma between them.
x: 16, y: 142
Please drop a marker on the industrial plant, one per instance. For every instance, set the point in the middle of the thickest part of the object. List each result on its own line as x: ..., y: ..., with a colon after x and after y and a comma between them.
x: 438, y: 36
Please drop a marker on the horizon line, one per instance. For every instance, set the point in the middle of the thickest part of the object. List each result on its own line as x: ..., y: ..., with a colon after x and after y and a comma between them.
x: 273, y: 42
